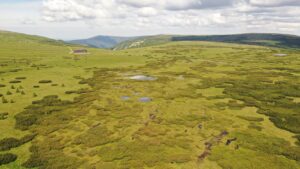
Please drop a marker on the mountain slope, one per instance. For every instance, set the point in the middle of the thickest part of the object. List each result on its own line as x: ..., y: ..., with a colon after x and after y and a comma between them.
x: 144, y: 42
x: 101, y: 41
x: 6, y: 36
x: 272, y: 40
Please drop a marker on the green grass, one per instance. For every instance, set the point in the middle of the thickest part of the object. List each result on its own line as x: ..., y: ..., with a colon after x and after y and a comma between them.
x: 79, y: 119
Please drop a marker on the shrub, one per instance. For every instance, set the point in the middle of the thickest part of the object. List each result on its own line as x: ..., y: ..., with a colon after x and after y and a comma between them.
x: 20, y: 78
x: 35, y: 95
x: 7, y: 158
x: 9, y: 143
x: 12, y: 87
x: 4, y: 100
x: 15, y: 81
x: 2, y: 85
x: 249, y: 118
x: 36, y: 86
x: 8, y: 93
x: 39, y: 109
x: 3, y: 116
x: 45, y: 81
x: 23, y: 93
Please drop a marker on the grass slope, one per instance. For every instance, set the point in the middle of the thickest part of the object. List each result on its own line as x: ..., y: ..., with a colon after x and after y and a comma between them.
x: 213, y: 106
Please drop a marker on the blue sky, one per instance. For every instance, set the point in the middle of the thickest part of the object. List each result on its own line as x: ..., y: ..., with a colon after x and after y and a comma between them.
x: 73, y: 19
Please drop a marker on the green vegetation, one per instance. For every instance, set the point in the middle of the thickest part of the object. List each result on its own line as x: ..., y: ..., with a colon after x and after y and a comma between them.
x: 211, y: 106
x: 271, y: 40
x: 7, y: 158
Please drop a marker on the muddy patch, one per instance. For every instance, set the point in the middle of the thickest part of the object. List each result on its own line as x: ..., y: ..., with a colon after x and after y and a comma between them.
x: 209, y: 145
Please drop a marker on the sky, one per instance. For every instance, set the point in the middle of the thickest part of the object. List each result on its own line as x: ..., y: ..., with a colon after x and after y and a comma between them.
x: 75, y: 19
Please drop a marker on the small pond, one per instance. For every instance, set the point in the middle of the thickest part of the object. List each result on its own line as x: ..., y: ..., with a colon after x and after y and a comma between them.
x: 142, y: 78
x: 145, y: 99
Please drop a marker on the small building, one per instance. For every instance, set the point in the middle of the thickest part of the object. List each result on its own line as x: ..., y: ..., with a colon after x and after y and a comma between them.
x: 80, y: 51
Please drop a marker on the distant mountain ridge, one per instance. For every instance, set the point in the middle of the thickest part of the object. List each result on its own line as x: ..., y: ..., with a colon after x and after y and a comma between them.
x: 272, y: 40
x: 101, y: 41
x: 262, y: 39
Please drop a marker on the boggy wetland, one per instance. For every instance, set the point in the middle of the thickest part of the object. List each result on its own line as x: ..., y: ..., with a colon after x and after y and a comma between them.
x: 178, y: 105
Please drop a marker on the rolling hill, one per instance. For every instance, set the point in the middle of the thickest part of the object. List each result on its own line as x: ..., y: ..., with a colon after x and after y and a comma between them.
x: 271, y: 40
x: 101, y: 41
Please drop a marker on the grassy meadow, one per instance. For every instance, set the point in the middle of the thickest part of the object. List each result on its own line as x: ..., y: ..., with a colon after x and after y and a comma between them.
x: 208, y: 106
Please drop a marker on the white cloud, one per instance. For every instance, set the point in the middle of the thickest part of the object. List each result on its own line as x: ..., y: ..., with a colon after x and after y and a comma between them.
x: 139, y: 17
x: 272, y: 3
x: 167, y: 14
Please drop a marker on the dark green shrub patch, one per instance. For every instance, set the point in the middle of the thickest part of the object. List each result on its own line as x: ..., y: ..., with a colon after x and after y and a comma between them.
x: 7, y: 158
x: 9, y: 143
x: 270, y: 145
x: 81, y: 91
x: 83, y: 82
x: 15, y: 81
x: 33, y: 113
x: 2, y: 85
x: 54, y: 84
x: 253, y: 119
x: 8, y: 93
x: 45, y: 81
x: 36, y: 86
x: 4, y: 100
x: 20, y: 78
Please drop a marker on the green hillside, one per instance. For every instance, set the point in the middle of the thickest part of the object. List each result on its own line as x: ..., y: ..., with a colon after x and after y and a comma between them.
x: 271, y: 40
x: 176, y: 105
x: 143, y: 42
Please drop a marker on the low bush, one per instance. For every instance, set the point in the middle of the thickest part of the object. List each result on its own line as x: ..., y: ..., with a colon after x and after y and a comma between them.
x: 45, y: 81
x: 249, y: 118
x: 20, y: 78
x: 7, y: 158
x: 39, y: 109
x: 4, y: 100
x: 2, y: 85
x: 9, y: 143
x: 15, y: 81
